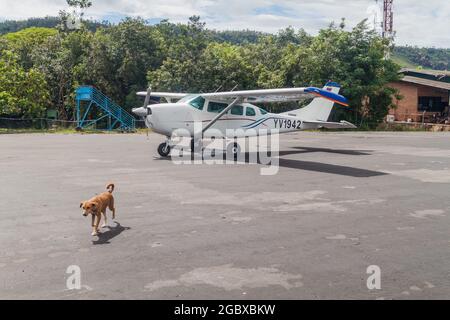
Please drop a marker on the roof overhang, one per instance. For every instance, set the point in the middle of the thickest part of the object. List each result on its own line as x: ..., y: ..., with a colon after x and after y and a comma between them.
x: 426, y: 82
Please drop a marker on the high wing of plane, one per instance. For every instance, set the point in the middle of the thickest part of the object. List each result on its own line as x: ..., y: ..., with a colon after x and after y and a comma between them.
x: 169, y: 96
x: 221, y: 111
x: 276, y: 95
x: 258, y: 96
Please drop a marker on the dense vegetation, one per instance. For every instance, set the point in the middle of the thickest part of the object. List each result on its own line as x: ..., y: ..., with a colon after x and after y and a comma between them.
x: 429, y: 58
x: 10, y: 26
x: 40, y: 67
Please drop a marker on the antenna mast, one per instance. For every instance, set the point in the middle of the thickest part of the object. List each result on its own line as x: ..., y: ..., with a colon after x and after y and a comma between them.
x: 388, y: 19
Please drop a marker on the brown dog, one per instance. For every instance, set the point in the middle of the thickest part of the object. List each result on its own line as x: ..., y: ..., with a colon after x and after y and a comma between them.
x: 97, y: 206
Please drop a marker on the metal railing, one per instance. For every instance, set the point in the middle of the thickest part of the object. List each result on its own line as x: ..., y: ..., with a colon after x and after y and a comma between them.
x: 92, y: 95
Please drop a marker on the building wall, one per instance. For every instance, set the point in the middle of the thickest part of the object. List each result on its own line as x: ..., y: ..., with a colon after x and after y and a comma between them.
x: 407, y: 108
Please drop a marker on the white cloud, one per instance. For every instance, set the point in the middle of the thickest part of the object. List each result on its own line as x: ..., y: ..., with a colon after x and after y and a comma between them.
x: 423, y: 23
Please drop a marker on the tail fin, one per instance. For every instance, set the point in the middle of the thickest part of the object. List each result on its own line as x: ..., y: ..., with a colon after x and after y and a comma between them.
x: 320, y: 108
x: 110, y: 187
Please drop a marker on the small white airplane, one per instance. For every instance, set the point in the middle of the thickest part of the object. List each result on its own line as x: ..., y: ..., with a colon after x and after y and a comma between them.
x: 235, y: 110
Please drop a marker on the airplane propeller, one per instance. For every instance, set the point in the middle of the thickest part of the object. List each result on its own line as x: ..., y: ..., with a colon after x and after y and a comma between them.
x: 144, y: 111
x: 147, y: 101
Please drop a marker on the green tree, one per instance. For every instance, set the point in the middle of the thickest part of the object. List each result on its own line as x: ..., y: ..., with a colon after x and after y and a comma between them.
x: 22, y: 92
x: 356, y: 60
x: 26, y: 41
x: 119, y: 58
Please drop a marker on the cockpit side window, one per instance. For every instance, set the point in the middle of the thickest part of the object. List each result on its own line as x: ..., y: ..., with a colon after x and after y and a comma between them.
x: 237, y: 110
x: 198, y: 103
x: 216, y: 107
x: 262, y: 111
x: 250, y: 112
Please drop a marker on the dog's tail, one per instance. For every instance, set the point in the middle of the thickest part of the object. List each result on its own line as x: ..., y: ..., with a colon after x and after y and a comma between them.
x: 110, y: 187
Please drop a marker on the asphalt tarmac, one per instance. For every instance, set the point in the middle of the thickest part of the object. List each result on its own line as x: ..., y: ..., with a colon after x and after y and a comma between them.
x: 339, y: 205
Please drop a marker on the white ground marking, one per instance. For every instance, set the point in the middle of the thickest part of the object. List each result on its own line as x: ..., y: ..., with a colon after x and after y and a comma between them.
x: 337, y: 237
x: 413, y: 151
x: 315, y: 206
x: 333, y: 206
x: 189, y: 194
x: 230, y: 278
x: 423, y: 214
x: 99, y: 161
x: 415, y: 288
x: 249, y: 198
x: 424, y: 175
x: 405, y: 228
x: 20, y: 260
x: 58, y: 254
x: 241, y: 219
x: 156, y: 244
x: 125, y: 170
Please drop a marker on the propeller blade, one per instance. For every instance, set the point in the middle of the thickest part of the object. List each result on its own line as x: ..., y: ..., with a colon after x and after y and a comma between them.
x: 147, y: 97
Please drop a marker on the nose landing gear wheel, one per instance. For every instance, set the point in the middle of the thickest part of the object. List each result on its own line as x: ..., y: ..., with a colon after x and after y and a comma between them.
x: 233, y: 150
x: 164, y: 149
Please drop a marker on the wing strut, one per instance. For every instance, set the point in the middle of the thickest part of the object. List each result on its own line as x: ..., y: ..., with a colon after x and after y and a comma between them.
x: 220, y: 115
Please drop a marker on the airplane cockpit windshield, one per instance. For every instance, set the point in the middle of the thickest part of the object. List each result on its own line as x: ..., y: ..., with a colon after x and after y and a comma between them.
x: 197, y: 103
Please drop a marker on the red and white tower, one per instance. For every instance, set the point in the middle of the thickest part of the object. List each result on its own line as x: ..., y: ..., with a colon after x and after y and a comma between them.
x: 388, y: 19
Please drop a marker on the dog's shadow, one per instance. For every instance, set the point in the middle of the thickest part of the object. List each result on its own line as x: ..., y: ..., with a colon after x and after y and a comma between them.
x: 104, y: 237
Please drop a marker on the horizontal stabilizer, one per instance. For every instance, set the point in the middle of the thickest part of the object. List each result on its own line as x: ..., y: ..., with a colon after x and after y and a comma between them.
x: 331, y: 125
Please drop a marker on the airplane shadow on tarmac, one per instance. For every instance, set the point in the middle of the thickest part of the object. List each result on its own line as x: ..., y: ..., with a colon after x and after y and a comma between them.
x: 104, y: 237
x: 312, y: 165
x: 325, y: 167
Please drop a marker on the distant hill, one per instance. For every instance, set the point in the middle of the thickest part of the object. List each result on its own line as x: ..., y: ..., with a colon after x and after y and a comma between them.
x: 9, y: 26
x: 427, y: 58
x: 237, y: 36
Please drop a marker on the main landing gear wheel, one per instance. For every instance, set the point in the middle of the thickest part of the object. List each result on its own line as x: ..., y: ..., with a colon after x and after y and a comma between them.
x: 164, y: 149
x: 233, y: 150
x: 196, y: 146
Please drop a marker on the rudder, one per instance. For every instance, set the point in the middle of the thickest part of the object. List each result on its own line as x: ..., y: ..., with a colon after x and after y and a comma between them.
x: 320, y: 108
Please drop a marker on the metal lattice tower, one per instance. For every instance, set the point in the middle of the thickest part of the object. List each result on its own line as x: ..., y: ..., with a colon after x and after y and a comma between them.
x: 388, y: 19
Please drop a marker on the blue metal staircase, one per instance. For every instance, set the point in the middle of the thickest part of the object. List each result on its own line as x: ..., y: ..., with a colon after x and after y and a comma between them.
x: 89, y: 97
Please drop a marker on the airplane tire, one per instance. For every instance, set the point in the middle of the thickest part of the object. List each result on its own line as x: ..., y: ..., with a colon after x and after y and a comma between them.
x: 233, y: 150
x: 164, y: 150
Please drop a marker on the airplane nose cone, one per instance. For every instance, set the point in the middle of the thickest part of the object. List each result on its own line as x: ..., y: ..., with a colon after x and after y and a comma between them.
x: 141, y: 112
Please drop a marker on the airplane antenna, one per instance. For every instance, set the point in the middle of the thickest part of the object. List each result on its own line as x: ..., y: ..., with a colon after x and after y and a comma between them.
x: 217, y: 90
x: 234, y: 87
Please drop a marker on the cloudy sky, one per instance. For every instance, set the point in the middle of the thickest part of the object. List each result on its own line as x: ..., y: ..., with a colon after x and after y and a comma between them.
x: 417, y: 22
